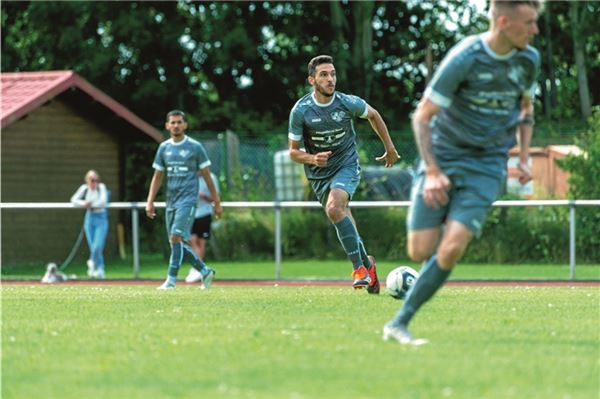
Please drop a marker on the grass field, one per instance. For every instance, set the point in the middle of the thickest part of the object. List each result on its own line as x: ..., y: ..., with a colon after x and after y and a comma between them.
x: 155, y: 267
x: 296, y: 342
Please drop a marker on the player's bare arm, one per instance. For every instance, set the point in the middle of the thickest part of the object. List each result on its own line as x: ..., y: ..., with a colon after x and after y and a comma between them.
x: 378, y: 124
x: 154, y: 186
x: 319, y: 159
x: 437, y: 184
x: 216, y: 199
x: 525, y: 131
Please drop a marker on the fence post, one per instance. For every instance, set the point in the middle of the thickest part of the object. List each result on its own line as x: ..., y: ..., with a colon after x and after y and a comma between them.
x: 572, y: 239
x: 277, y: 240
x: 135, y: 241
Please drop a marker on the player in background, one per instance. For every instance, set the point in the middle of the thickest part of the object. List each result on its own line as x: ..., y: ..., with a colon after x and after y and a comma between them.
x: 323, y: 121
x: 202, y: 224
x: 478, y: 99
x: 183, y: 159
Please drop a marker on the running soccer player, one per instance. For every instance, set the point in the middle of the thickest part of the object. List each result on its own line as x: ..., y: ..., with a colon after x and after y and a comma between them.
x: 323, y: 121
x: 481, y: 95
x: 183, y: 159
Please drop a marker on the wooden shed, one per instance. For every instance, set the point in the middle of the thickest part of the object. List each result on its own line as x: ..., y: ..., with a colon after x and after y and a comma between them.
x: 549, y: 180
x: 55, y: 127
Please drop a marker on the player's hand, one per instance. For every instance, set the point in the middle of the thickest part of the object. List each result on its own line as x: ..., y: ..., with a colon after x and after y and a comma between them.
x: 150, y: 212
x: 435, y: 189
x: 389, y: 157
x: 320, y: 158
x: 218, y: 210
x: 525, y: 175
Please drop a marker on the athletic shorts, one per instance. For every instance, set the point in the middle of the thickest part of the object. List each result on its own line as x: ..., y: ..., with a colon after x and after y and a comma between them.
x: 470, y: 198
x: 201, y: 226
x: 179, y: 221
x: 347, y: 179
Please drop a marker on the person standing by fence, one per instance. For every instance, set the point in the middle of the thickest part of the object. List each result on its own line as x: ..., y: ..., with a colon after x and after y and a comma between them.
x: 202, y: 224
x: 93, y: 195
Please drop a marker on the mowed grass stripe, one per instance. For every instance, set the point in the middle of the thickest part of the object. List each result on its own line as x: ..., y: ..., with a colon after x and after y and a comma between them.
x: 274, y: 342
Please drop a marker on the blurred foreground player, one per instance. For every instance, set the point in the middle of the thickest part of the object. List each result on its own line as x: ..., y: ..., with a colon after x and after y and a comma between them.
x: 481, y: 96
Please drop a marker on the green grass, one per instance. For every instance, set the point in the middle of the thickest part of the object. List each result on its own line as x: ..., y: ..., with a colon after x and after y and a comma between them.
x: 155, y: 267
x: 296, y: 342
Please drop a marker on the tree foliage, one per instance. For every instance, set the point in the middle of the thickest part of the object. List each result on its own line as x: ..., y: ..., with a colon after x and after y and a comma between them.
x: 242, y: 65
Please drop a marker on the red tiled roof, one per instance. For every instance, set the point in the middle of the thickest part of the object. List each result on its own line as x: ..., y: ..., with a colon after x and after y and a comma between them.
x: 22, y: 92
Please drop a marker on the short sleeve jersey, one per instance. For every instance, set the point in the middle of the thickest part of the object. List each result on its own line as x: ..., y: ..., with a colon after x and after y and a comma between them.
x: 181, y: 162
x: 480, y: 95
x: 327, y: 127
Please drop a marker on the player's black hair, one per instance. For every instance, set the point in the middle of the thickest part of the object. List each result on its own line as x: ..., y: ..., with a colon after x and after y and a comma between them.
x: 176, y: 112
x: 318, y: 60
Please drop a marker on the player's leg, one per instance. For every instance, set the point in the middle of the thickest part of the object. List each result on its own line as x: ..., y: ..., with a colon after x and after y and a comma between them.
x: 101, y: 230
x: 183, y: 223
x: 424, y: 228
x: 89, y: 235
x: 176, y: 257
x: 436, y: 270
x: 369, y: 262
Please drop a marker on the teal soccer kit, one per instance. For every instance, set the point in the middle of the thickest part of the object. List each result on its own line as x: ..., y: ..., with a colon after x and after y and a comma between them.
x: 181, y: 162
x: 479, y: 93
x: 329, y: 127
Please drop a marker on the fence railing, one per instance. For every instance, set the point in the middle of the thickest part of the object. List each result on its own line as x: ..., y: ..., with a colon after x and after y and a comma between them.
x: 277, y: 206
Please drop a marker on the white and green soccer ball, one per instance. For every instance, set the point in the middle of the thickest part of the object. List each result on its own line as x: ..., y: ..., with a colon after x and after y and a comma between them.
x: 399, y: 281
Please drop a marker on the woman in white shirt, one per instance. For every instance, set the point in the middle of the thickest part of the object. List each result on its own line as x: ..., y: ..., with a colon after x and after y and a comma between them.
x: 93, y: 195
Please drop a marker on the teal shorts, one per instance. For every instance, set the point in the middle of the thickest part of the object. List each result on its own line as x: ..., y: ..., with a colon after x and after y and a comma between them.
x: 347, y: 179
x: 180, y: 221
x: 470, y: 199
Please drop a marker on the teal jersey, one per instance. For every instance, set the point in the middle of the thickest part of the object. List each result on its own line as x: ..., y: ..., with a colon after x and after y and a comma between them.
x: 327, y: 127
x: 181, y: 163
x: 480, y: 94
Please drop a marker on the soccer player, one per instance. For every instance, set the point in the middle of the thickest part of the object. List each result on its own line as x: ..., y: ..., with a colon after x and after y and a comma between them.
x: 477, y: 101
x: 323, y: 120
x: 183, y: 159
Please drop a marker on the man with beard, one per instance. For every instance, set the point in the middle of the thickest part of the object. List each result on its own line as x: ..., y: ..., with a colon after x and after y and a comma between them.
x: 323, y: 121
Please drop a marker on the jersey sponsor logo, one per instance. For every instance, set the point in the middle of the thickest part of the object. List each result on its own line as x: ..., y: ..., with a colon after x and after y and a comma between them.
x: 328, y: 138
x: 316, y: 120
x: 485, y: 76
x: 338, y: 116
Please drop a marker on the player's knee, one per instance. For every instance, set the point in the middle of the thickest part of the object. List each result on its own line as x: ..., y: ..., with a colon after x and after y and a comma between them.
x: 175, y: 239
x: 334, y: 212
x: 450, y: 253
x: 418, y: 254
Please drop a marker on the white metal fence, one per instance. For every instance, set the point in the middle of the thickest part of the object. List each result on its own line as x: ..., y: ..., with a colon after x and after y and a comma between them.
x: 277, y: 206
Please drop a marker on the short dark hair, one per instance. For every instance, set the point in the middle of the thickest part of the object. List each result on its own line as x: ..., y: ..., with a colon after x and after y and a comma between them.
x: 318, y: 60
x: 176, y: 112
x: 497, y: 6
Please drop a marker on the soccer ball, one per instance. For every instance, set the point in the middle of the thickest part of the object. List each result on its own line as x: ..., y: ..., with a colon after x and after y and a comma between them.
x: 399, y: 281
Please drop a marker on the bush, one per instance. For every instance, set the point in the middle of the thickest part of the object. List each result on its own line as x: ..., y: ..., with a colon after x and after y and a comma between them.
x: 584, y: 183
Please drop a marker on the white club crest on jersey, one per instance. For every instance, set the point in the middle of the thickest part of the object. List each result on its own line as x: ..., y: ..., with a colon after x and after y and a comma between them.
x: 338, y: 116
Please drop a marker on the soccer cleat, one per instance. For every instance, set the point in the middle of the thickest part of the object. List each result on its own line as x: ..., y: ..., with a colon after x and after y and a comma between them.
x: 374, y: 285
x: 401, y: 335
x: 91, y: 268
x: 207, y: 279
x: 167, y: 285
x: 361, y: 278
x: 193, y: 276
